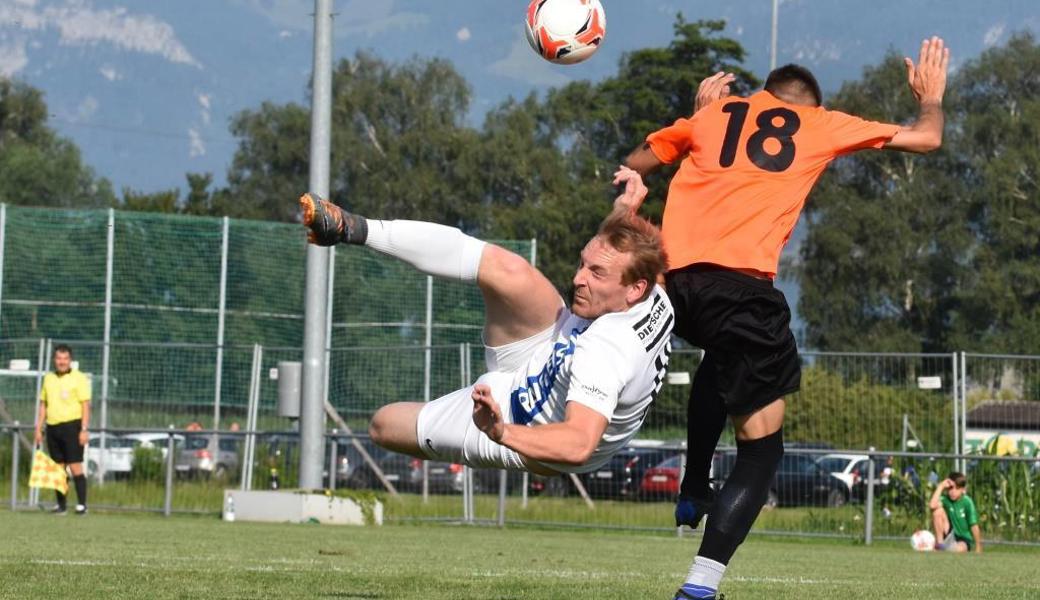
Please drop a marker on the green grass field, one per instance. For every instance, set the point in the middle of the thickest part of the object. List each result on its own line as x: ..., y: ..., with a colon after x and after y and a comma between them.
x: 145, y: 556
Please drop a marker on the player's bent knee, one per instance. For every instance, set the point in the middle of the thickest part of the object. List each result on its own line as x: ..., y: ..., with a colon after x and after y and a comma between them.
x: 394, y: 427
x: 499, y: 266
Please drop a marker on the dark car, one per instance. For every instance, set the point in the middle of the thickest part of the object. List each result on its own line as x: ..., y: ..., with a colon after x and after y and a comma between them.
x: 623, y: 474
x: 799, y: 481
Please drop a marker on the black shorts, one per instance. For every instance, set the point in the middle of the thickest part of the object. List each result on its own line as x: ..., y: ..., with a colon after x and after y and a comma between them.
x: 744, y: 326
x: 63, y: 442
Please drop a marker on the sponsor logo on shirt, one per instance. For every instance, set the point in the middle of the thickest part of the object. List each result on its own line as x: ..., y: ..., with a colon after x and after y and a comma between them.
x: 593, y: 391
x: 650, y: 329
x: 526, y: 402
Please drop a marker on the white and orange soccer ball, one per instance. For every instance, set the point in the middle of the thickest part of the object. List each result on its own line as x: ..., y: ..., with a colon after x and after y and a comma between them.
x: 923, y: 540
x: 566, y: 31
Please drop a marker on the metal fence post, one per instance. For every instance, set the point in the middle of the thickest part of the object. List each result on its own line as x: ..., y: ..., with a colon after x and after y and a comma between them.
x: 426, y: 378
x: 868, y: 525
x: 14, y: 467
x: 502, y: 486
x: 168, y: 491
x: 956, y: 408
x: 332, y: 460
x: 964, y: 406
x: 221, y: 310
x: 3, y: 232
x: 43, y: 364
x: 106, y: 348
x: 523, y: 492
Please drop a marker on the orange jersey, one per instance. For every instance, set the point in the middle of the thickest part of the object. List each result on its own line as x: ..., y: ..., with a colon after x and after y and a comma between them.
x: 748, y: 165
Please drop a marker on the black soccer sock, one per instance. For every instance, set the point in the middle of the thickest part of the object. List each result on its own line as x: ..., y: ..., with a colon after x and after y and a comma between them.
x: 705, y: 419
x: 742, y: 497
x: 61, y: 499
x: 81, y: 488
x: 356, y: 230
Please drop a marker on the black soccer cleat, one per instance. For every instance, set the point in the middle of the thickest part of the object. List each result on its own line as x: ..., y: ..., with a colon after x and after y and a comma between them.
x: 329, y: 224
x: 81, y: 509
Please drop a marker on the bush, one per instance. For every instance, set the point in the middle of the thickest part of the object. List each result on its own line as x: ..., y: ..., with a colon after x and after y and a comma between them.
x: 147, y: 464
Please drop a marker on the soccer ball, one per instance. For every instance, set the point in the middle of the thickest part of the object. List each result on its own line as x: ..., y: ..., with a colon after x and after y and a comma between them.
x: 565, y: 31
x: 922, y: 541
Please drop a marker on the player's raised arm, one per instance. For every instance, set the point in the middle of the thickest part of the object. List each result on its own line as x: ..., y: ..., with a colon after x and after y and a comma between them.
x: 928, y: 83
x: 647, y: 158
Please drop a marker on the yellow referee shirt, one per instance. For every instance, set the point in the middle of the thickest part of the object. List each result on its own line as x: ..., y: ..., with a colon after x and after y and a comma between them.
x: 64, y: 396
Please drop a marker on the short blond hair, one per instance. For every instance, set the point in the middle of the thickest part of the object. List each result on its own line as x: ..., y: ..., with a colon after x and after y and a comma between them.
x: 631, y: 234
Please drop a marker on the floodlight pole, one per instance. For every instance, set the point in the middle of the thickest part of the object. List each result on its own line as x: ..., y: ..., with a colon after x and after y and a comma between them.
x: 772, y: 53
x: 312, y: 409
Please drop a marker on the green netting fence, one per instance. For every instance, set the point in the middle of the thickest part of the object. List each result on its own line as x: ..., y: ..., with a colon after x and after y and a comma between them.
x: 186, y: 298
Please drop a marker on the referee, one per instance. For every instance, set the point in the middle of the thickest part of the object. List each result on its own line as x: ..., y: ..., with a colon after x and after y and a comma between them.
x: 65, y: 406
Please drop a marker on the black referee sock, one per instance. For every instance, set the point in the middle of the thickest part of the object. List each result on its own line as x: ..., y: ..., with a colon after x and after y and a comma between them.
x: 61, y: 499
x: 81, y: 489
x: 742, y: 497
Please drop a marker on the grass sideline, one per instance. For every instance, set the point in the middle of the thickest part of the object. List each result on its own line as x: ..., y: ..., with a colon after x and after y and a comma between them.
x: 145, y: 556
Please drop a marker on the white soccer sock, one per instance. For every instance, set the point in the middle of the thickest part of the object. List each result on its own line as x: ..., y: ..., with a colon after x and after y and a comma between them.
x: 433, y: 249
x: 706, y: 573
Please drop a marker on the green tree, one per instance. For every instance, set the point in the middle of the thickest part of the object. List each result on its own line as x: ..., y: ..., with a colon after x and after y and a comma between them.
x: 931, y: 253
x: 37, y: 166
x: 885, y: 232
x: 998, y: 127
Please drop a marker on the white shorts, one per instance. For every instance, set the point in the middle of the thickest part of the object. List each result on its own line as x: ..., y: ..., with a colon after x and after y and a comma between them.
x: 445, y: 427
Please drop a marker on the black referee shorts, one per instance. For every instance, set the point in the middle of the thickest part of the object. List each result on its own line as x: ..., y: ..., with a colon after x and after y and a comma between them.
x: 63, y: 442
x: 744, y: 326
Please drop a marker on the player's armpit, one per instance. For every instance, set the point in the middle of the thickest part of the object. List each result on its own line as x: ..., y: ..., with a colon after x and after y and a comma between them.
x: 643, y: 160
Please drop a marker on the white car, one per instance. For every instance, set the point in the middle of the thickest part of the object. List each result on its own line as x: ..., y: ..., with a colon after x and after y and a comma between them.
x: 117, y: 456
x: 849, y: 468
x: 154, y: 440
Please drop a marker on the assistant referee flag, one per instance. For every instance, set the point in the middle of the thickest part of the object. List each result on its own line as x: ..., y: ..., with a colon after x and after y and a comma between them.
x: 48, y: 474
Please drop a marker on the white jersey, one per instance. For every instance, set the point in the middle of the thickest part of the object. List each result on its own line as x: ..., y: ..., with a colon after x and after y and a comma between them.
x: 614, y: 365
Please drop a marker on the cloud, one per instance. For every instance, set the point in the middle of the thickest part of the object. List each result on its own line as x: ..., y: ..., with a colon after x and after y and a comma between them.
x: 12, y: 57
x: 365, y: 17
x: 86, y: 109
x: 110, y: 73
x: 463, y: 35
x: 813, y: 51
x: 993, y: 35
x: 204, y: 103
x: 79, y: 24
x: 196, y: 147
x: 523, y: 64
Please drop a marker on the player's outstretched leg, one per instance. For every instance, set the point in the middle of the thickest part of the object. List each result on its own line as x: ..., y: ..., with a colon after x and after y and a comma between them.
x: 705, y: 419
x: 520, y: 302
x: 760, y: 446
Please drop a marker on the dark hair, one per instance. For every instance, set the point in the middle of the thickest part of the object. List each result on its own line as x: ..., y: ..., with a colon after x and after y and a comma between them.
x: 62, y: 348
x: 795, y: 78
x: 631, y: 234
x: 958, y: 479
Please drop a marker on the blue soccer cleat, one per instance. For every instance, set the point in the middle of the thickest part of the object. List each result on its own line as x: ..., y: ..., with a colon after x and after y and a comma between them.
x: 690, y: 511
x: 697, y: 592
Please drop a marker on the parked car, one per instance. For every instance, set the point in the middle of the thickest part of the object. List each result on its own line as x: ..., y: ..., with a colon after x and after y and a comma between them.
x: 623, y: 474
x: 117, y: 456
x: 799, y: 481
x: 849, y: 468
x: 154, y: 440
x: 662, y: 481
x: 406, y: 473
x: 207, y: 455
